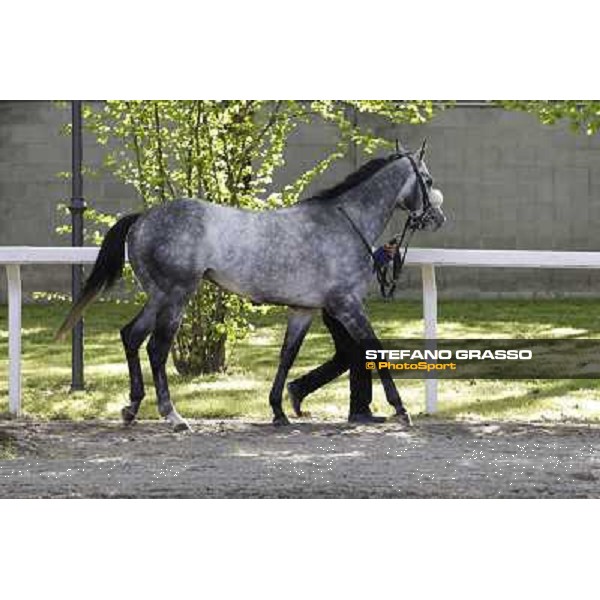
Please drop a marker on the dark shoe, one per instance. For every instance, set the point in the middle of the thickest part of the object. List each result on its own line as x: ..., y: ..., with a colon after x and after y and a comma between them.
x: 295, y: 399
x: 365, y: 418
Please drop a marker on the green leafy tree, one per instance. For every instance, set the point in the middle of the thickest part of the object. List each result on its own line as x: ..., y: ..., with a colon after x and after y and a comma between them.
x: 582, y: 115
x: 226, y: 152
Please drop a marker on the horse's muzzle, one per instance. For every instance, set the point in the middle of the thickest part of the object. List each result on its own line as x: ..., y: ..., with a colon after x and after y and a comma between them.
x: 432, y: 220
x: 436, y: 220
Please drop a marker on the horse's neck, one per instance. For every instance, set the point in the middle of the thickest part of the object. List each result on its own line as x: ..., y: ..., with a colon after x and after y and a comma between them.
x: 373, y: 205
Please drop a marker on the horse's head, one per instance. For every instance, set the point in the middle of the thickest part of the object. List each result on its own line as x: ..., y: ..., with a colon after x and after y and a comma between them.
x: 418, y: 196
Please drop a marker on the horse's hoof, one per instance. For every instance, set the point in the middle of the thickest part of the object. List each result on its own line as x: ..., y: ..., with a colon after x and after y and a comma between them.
x: 280, y: 421
x: 177, y: 422
x: 183, y: 426
x: 404, y: 418
x: 295, y: 400
x: 127, y: 415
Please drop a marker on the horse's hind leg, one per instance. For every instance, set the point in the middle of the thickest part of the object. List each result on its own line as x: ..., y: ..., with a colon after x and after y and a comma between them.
x: 133, y: 336
x: 167, y: 323
x: 298, y: 323
x: 351, y: 313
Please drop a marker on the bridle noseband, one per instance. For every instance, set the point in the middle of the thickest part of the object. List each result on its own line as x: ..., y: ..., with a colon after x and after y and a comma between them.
x: 414, y: 221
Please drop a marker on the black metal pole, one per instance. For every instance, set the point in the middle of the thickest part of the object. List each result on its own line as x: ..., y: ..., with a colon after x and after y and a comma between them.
x: 77, y: 208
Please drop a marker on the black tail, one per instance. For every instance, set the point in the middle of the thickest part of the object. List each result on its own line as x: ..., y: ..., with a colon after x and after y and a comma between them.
x: 108, y: 268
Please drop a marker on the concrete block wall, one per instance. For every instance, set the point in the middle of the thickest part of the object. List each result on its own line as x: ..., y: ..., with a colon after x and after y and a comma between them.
x: 32, y: 153
x: 509, y: 182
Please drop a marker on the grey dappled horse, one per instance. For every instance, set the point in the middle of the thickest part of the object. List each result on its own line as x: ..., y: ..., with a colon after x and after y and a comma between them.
x: 308, y: 256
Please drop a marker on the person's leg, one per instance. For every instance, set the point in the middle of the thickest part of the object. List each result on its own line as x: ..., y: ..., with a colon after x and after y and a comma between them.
x: 347, y: 355
x: 361, y: 382
x: 361, y: 385
x: 323, y: 374
x: 349, y: 311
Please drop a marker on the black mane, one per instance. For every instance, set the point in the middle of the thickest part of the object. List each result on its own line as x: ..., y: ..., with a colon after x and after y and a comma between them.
x: 362, y: 174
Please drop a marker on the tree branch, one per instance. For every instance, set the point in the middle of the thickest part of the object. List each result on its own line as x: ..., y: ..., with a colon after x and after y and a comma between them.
x: 164, y: 178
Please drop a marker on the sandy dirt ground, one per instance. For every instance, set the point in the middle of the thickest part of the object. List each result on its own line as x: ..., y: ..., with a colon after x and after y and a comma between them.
x: 239, y: 459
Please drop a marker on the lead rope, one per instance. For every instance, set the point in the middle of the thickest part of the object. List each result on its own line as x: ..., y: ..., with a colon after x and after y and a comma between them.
x: 397, y: 262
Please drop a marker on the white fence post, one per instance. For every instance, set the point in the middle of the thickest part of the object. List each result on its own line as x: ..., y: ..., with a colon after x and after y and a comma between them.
x: 430, y: 328
x: 13, y: 276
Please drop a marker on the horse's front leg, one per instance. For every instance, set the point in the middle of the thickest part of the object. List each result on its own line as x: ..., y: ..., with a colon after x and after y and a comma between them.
x: 298, y: 324
x: 350, y: 312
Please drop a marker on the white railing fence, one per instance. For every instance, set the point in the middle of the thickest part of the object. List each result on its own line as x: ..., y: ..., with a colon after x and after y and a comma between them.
x: 428, y: 259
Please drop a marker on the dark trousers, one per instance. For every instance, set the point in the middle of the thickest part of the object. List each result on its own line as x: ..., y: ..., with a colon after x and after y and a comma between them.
x: 347, y: 356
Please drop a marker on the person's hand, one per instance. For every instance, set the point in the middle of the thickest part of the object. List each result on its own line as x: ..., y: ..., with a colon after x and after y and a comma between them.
x: 390, y: 250
x: 384, y: 254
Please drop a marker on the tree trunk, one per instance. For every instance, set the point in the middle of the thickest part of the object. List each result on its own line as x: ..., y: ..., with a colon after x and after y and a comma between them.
x: 200, y: 344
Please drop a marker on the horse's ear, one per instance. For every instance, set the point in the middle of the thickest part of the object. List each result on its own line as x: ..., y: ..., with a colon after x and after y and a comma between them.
x: 422, y: 149
x: 399, y: 148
